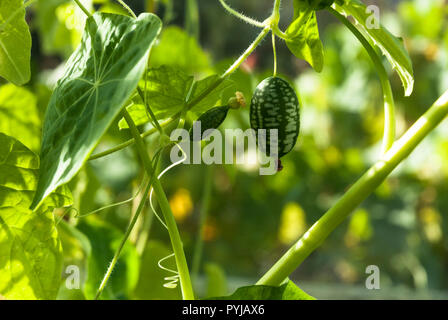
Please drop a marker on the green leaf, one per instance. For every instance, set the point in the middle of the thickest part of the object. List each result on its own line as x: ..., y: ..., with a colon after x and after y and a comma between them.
x: 166, y: 90
x: 15, y: 43
x: 30, y: 249
x: 169, y: 89
x: 391, y: 46
x: 201, y: 86
x: 216, y: 280
x: 287, y: 291
x: 105, y: 239
x: 304, y: 41
x: 20, y: 115
x: 99, y: 78
x: 151, y: 281
x: 60, y: 24
x: 176, y: 48
x: 76, y: 249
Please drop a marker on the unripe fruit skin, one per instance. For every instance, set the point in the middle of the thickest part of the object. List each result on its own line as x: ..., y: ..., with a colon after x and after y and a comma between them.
x: 275, y: 105
x: 211, y: 119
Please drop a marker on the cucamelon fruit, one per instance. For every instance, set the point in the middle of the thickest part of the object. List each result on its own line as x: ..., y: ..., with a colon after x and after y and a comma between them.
x: 275, y: 105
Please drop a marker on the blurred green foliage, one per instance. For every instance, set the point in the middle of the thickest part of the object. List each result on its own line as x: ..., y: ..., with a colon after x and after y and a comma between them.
x: 402, y: 228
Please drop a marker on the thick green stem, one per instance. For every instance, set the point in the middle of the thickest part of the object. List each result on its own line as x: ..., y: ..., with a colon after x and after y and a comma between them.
x: 357, y: 193
x: 203, y: 214
x: 389, y: 104
x: 176, y: 242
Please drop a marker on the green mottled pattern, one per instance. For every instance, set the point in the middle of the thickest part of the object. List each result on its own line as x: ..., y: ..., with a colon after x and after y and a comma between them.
x: 211, y: 119
x: 30, y: 249
x: 99, y: 78
x: 275, y: 105
x: 15, y: 42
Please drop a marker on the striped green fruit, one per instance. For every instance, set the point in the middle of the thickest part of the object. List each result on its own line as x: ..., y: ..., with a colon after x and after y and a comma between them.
x: 211, y: 119
x: 275, y: 105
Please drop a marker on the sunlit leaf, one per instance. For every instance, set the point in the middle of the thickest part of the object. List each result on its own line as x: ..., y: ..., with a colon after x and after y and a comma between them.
x: 391, y: 46
x: 105, y: 239
x: 166, y: 89
x: 287, y: 291
x: 60, y: 24
x: 169, y: 90
x: 304, y: 40
x: 15, y: 42
x: 20, y: 116
x: 30, y: 250
x: 99, y: 78
x: 176, y: 48
x: 210, y: 100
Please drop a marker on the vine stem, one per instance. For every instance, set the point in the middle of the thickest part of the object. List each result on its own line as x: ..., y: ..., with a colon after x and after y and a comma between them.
x: 131, y: 141
x: 131, y: 225
x: 127, y: 8
x: 399, y: 151
x: 176, y: 242
x: 81, y: 6
x: 241, y: 16
x: 246, y: 53
x: 274, y: 52
x: 389, y: 104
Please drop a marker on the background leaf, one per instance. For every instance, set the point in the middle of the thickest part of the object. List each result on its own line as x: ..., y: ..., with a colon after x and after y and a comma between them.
x: 15, y: 43
x: 20, y: 115
x: 166, y: 90
x: 99, y: 77
x: 304, y: 33
x: 287, y: 291
x: 212, y: 98
x: 176, y: 48
x: 104, y: 239
x: 30, y: 250
x: 391, y: 46
x: 151, y: 281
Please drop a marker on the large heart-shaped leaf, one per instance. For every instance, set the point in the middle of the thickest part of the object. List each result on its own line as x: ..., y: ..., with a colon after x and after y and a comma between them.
x: 30, y: 250
x: 391, y: 46
x: 303, y: 36
x: 15, y: 42
x: 99, y: 78
x: 287, y: 291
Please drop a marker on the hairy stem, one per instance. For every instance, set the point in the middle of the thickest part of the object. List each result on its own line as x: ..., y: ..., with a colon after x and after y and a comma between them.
x: 125, y: 238
x: 399, y: 151
x: 389, y: 104
x: 241, y: 16
x: 176, y: 242
x: 246, y: 53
